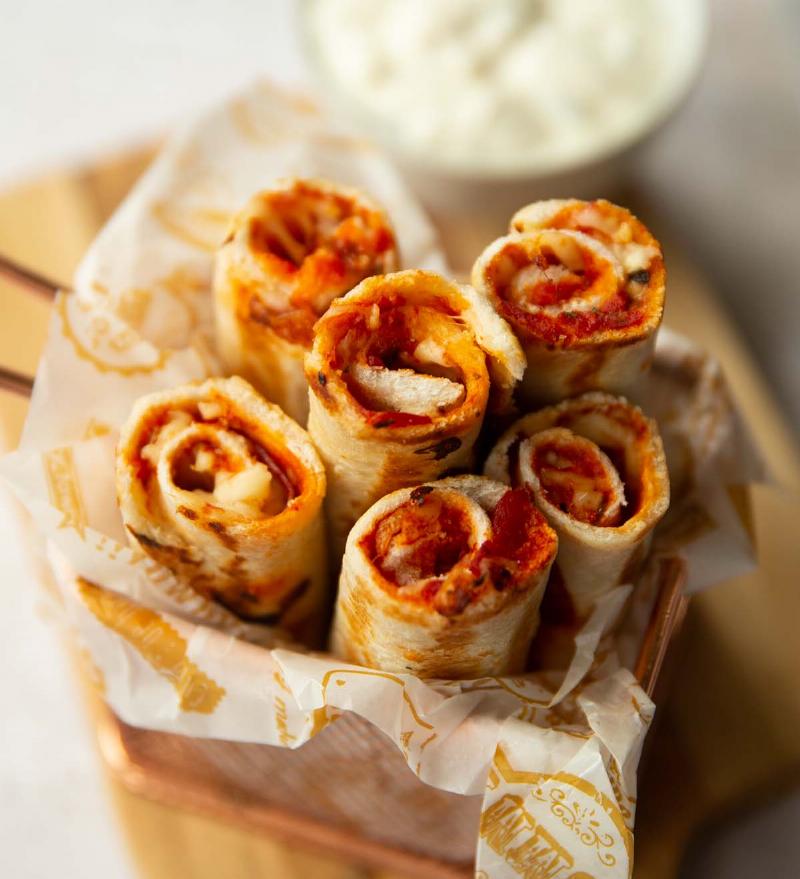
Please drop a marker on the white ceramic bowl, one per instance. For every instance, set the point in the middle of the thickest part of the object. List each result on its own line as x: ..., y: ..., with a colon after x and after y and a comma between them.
x: 595, y: 169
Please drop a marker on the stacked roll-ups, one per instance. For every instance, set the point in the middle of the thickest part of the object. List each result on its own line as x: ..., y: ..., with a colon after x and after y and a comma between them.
x: 401, y: 373
x: 444, y: 580
x: 396, y: 372
x: 292, y: 250
x: 596, y: 468
x: 226, y: 490
x: 582, y: 285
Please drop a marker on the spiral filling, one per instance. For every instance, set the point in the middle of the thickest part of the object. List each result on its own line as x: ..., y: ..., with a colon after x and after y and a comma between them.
x: 421, y: 540
x: 314, y: 244
x: 441, y: 549
x: 613, y: 226
x: 406, y: 363
x: 209, y: 455
x: 562, y: 287
x: 574, y: 475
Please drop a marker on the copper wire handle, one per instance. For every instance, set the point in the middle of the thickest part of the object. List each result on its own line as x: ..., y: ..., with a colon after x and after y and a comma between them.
x: 10, y: 379
x: 27, y: 278
x: 666, y: 620
x: 16, y: 382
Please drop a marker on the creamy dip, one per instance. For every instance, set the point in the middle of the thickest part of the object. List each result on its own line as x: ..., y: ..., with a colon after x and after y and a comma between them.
x: 506, y: 84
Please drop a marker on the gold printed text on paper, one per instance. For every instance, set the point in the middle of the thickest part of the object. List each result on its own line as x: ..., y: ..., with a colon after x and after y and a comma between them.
x: 419, y: 727
x: 525, y: 845
x: 594, y: 818
x: 64, y: 489
x: 201, y: 228
x: 101, y: 344
x: 158, y: 642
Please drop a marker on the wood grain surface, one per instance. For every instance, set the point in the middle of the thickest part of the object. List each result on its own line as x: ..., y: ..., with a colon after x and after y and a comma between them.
x: 728, y: 735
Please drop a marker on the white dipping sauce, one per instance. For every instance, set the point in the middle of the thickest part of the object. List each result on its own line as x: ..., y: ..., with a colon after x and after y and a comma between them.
x: 505, y: 84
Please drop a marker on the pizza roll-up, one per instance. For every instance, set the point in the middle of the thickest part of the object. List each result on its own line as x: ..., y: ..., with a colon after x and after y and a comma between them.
x: 291, y: 251
x: 399, y: 377
x: 582, y: 285
x: 225, y: 490
x: 596, y: 467
x: 444, y: 580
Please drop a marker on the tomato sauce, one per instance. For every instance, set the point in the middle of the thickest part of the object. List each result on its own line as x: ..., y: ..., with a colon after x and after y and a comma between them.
x: 618, y: 311
x: 334, y: 243
x: 583, y: 466
x: 521, y: 539
x: 438, y: 537
x: 432, y: 535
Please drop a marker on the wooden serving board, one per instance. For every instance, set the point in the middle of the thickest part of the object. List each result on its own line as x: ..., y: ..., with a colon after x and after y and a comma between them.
x: 727, y: 737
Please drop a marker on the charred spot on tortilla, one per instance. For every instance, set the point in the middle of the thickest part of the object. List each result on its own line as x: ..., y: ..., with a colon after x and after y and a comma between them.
x: 419, y: 493
x: 182, y: 554
x: 441, y: 449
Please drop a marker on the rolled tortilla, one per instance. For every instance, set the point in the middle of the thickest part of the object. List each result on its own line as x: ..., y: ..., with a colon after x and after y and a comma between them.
x: 399, y: 379
x: 293, y: 249
x: 596, y: 467
x: 226, y: 491
x: 444, y: 580
x: 582, y: 285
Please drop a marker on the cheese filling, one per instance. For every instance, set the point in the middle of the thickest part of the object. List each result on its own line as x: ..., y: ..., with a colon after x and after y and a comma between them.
x: 561, y: 272
x: 574, y: 475
x: 215, y: 465
x: 616, y: 228
x: 407, y: 359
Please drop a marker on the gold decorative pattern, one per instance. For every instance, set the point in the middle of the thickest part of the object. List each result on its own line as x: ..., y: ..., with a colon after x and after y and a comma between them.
x: 184, y: 284
x: 422, y: 747
x: 281, y: 681
x: 514, y: 834
x: 101, y: 332
x: 92, y: 672
x: 616, y: 786
x: 330, y: 675
x: 251, y: 130
x: 95, y: 428
x: 268, y: 133
x: 159, y: 644
x: 281, y: 715
x: 322, y: 717
x: 344, y: 142
x: 583, y: 822
x: 202, y: 228
x: 505, y: 685
x: 338, y: 676
x: 132, y: 305
x: 64, y: 489
x: 284, y: 736
x: 581, y: 819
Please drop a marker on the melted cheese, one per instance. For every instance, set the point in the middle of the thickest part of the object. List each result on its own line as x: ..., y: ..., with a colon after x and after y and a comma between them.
x: 246, y: 491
